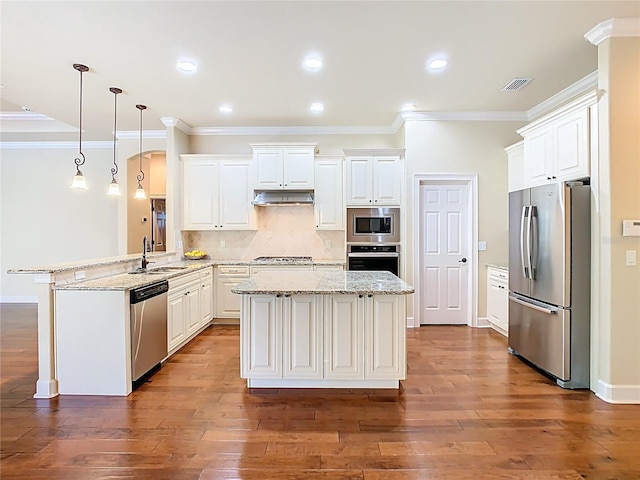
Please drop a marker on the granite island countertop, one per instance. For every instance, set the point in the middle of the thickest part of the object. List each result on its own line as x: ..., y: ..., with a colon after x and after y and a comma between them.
x: 324, y: 282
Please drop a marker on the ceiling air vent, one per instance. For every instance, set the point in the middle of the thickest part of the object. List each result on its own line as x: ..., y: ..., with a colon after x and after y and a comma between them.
x: 515, y: 84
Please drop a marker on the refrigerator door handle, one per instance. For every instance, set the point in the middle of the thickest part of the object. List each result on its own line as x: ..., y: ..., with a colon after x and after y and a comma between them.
x: 525, y: 272
x: 528, y: 240
x: 533, y: 306
x: 535, y: 240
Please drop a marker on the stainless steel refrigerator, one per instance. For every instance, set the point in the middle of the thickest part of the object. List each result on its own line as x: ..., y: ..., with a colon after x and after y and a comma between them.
x: 549, y: 279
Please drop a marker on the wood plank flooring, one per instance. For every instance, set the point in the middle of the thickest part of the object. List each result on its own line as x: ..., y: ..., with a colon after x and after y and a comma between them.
x: 467, y: 411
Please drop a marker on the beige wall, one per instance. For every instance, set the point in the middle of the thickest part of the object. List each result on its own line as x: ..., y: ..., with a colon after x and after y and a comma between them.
x: 158, y: 175
x: 44, y: 222
x: 138, y: 209
x: 464, y: 148
x: 616, y: 312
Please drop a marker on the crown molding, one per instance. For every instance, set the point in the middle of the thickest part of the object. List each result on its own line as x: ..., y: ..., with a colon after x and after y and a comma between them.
x: 302, y: 130
x: 177, y: 123
x: 23, y: 116
x: 54, y: 145
x: 581, y: 86
x: 133, y: 134
x: 495, y: 116
x: 614, y: 27
x: 360, y: 152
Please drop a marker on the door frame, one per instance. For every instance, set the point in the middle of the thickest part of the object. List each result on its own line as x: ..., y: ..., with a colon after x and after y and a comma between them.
x: 471, y: 181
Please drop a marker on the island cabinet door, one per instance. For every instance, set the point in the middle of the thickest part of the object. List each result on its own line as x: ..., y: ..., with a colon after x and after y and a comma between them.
x: 302, y: 336
x: 261, y: 337
x: 385, y: 337
x: 343, y: 337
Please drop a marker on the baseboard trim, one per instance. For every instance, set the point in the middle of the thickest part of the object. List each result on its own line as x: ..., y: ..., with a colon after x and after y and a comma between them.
x: 19, y: 299
x: 483, y: 322
x: 618, y: 393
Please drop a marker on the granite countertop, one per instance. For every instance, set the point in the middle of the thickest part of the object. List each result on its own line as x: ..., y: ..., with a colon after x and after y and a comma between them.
x: 128, y: 281
x: 325, y: 282
x: 495, y: 265
x: 92, y: 263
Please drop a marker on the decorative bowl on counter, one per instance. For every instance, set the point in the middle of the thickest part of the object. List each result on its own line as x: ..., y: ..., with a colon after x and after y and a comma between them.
x: 195, y: 255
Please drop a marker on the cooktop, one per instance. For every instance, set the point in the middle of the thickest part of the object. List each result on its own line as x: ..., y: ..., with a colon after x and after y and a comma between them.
x: 282, y: 259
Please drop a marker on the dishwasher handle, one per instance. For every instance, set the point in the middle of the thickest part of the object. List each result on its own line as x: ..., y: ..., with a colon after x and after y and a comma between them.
x: 148, y: 291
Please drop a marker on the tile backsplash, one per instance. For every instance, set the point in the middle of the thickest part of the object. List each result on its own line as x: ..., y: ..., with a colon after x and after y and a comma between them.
x: 279, y: 231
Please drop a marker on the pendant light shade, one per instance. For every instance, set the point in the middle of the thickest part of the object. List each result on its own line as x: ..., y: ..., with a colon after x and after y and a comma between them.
x: 79, y: 182
x: 114, y: 188
x: 140, y: 194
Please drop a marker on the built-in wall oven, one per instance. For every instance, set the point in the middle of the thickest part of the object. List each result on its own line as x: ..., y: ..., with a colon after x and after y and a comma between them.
x: 373, y: 239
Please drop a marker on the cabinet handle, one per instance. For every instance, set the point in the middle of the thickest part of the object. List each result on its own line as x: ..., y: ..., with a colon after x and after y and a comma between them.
x: 360, y: 296
x: 277, y: 295
x: 287, y: 295
x: 369, y: 295
x: 553, y: 177
x: 548, y: 178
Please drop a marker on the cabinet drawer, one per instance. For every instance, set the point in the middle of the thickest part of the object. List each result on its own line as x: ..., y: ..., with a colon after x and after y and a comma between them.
x: 233, y: 270
x: 184, y: 280
x: 499, y: 276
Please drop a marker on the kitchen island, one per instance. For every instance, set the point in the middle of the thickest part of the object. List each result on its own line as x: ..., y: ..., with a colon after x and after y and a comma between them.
x: 331, y: 329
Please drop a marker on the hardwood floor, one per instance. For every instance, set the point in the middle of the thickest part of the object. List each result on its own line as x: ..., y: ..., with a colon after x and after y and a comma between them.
x: 467, y: 411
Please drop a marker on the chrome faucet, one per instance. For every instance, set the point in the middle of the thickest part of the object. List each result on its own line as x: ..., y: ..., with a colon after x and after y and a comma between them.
x: 144, y: 254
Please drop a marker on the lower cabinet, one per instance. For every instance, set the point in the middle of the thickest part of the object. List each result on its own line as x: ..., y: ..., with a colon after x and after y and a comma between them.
x: 227, y: 304
x: 323, y: 340
x: 190, y: 305
x: 498, y: 299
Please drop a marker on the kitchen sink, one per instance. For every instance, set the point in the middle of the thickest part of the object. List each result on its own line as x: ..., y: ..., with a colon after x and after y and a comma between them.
x: 158, y: 270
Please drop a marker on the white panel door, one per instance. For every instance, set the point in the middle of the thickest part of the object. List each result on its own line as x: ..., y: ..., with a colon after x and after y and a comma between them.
x: 571, y: 146
x: 538, y: 157
x: 200, y: 189
x: 343, y: 333
x: 444, y: 259
x: 387, y: 180
x: 236, y: 211
x: 302, y: 337
x: 298, y: 168
x: 360, y: 181
x: 262, y: 342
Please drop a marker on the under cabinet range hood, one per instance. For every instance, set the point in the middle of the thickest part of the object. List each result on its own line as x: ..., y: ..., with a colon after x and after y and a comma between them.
x: 282, y: 197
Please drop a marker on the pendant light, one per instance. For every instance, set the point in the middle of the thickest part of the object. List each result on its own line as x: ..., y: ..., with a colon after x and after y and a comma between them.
x: 114, y: 188
x: 140, y: 191
x: 79, y: 182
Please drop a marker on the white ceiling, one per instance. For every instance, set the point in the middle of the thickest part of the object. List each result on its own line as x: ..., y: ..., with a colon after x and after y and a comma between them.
x: 250, y: 53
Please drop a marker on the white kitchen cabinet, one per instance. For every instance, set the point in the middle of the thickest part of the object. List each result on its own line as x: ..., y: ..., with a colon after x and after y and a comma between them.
x: 498, y: 299
x: 302, y: 336
x: 343, y: 337
x: 329, y: 198
x: 183, y: 316
x: 284, y: 166
x: 228, y: 277
x: 384, y: 351
x: 515, y: 165
x: 206, y: 296
x: 261, y: 332
x: 217, y: 193
x: 373, y: 179
x: 557, y: 146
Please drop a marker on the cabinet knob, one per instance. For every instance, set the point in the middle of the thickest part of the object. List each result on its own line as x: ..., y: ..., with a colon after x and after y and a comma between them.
x: 287, y: 295
x: 548, y: 178
x: 277, y: 295
x: 553, y: 177
x: 369, y: 201
x: 280, y: 184
x: 369, y: 295
x: 360, y: 296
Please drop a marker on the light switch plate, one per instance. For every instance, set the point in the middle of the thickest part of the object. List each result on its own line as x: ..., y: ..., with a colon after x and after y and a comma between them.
x: 80, y: 274
x: 631, y: 258
x: 482, y: 245
x: 223, y: 244
x: 631, y: 228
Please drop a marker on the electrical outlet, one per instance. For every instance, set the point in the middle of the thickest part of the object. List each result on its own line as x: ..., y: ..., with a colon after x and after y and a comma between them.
x: 327, y: 243
x: 482, y: 245
x: 631, y: 258
x: 80, y: 274
x: 223, y: 244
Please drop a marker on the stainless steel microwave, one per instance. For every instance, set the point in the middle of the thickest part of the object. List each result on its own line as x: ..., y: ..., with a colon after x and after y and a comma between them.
x: 373, y: 225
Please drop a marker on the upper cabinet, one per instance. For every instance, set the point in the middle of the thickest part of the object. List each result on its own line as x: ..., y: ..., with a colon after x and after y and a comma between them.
x: 374, y: 177
x: 217, y: 192
x: 515, y: 163
x: 284, y: 166
x: 556, y: 146
x: 329, y: 198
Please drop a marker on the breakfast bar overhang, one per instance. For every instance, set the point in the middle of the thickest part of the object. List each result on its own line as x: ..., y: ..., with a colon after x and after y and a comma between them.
x: 323, y: 329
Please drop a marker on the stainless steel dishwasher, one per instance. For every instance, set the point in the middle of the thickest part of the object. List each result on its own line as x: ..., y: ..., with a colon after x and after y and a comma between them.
x: 148, y: 329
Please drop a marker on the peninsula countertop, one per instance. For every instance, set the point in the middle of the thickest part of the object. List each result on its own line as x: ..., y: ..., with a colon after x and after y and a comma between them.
x: 324, y: 282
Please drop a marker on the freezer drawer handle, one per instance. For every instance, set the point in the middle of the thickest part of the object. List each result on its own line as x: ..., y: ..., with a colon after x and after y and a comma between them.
x: 535, y: 307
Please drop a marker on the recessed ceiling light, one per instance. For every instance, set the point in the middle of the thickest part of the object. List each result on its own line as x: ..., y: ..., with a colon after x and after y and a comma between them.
x: 317, y: 107
x: 437, y: 63
x: 313, y: 63
x: 408, y: 107
x: 187, y: 66
x: 226, y: 108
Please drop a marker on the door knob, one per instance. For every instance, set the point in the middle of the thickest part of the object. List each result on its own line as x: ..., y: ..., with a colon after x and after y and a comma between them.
x: 464, y: 260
